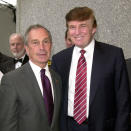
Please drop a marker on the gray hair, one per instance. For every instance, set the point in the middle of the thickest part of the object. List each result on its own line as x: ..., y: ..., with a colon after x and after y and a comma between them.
x: 18, y: 35
x: 36, y: 26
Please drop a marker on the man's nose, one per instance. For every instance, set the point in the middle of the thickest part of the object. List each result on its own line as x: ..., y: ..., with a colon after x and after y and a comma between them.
x: 77, y: 31
x: 41, y: 46
x: 15, y: 46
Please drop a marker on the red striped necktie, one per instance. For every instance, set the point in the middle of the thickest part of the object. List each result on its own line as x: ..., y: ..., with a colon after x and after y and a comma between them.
x: 80, y: 100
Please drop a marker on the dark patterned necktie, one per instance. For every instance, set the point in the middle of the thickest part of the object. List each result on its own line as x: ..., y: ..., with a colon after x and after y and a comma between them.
x: 80, y: 100
x: 47, y: 94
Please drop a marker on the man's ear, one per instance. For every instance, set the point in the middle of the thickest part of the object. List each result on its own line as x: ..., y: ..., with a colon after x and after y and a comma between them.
x: 27, y: 49
x: 94, y: 30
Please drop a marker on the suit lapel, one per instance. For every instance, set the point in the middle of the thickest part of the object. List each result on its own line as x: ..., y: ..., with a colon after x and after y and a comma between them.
x: 34, y: 88
x: 96, y: 70
x: 57, y: 95
x: 67, y: 70
x: 68, y: 59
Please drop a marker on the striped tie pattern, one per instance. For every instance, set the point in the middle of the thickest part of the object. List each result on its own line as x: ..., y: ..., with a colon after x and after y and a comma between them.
x: 80, y: 100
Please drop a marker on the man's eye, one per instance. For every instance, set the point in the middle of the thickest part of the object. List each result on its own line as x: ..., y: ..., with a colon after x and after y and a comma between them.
x: 83, y: 25
x: 12, y: 44
x: 35, y: 42
x: 71, y: 27
x: 46, y: 41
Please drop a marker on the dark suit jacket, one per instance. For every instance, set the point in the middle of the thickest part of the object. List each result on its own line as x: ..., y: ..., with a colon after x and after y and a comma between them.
x: 109, y: 89
x: 21, y: 102
x: 10, y: 65
x: 128, y: 62
x: 4, y: 58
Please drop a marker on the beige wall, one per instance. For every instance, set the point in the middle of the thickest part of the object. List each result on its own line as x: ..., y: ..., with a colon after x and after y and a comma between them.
x: 7, y: 26
x: 113, y: 16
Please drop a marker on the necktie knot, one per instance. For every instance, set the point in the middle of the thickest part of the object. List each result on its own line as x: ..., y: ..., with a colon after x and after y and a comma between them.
x: 82, y: 52
x: 42, y: 72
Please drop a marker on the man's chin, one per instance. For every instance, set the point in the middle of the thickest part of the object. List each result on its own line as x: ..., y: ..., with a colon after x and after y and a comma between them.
x: 15, y: 55
x: 19, y: 55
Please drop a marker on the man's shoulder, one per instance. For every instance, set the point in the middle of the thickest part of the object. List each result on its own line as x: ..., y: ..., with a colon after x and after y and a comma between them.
x: 4, y: 58
x: 15, y: 74
x: 106, y: 45
x: 108, y: 48
x: 7, y: 65
x: 64, y: 52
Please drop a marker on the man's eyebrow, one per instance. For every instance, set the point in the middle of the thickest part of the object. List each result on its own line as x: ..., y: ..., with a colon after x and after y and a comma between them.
x: 34, y: 40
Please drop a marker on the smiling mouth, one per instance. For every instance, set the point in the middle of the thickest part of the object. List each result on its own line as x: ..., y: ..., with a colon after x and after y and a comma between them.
x: 78, y: 38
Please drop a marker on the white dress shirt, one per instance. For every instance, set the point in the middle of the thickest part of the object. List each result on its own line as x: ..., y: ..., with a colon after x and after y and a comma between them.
x: 19, y: 64
x: 72, y: 76
x: 1, y: 74
x: 36, y: 69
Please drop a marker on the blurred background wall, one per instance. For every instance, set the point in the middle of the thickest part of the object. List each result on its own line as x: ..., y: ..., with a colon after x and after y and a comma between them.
x: 7, y: 26
x: 113, y: 17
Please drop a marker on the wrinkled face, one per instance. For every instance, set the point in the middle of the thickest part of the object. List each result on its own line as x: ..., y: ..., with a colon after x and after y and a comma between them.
x: 17, y: 46
x: 81, y: 32
x: 39, y: 46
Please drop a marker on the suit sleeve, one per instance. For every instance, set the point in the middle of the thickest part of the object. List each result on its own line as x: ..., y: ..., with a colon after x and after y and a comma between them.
x: 8, y: 106
x: 122, y: 94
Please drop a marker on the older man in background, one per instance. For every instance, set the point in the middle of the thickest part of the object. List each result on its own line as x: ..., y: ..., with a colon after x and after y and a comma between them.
x: 3, y: 59
x: 16, y: 42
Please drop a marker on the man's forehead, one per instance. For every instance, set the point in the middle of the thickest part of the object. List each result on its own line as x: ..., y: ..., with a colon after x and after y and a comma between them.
x: 77, y: 21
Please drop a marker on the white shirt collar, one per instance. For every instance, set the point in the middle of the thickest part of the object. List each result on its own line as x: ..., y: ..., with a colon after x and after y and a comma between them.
x: 89, y: 48
x: 36, y: 69
x: 21, y: 57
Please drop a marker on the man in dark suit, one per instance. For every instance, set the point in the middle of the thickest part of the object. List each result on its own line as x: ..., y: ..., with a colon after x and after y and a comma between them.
x: 94, y: 79
x: 29, y: 99
x: 128, y: 62
x: 16, y: 42
x: 4, y: 58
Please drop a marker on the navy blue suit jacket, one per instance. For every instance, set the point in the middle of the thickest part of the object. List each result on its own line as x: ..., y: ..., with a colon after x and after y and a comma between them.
x: 109, y: 89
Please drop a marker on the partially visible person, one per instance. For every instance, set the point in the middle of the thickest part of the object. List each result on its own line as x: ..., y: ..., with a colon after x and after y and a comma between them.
x: 1, y: 74
x: 16, y: 42
x: 128, y: 62
x: 94, y: 77
x: 68, y: 40
x: 30, y: 97
x: 4, y: 58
